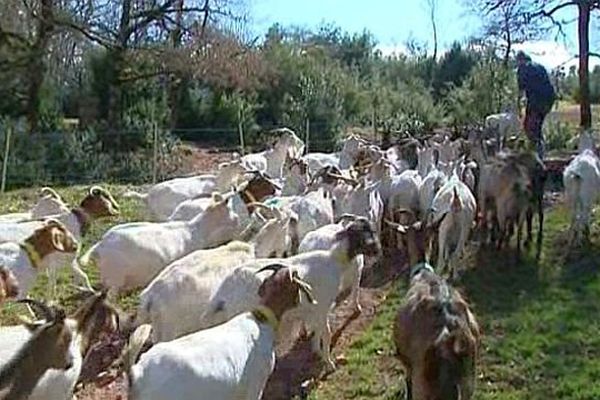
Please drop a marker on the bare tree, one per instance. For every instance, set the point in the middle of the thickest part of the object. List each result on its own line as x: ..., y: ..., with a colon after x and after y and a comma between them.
x: 432, y: 11
x: 149, y: 30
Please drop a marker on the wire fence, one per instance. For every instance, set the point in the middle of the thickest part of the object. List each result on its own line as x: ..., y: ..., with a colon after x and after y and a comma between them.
x: 136, y: 156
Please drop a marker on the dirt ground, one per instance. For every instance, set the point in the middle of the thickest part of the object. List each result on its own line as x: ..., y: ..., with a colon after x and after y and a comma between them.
x: 296, y: 371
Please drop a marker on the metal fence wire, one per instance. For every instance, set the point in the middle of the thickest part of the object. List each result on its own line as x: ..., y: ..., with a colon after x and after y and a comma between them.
x: 134, y: 156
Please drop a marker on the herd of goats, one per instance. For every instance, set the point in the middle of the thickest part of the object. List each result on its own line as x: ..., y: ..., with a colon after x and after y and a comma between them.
x: 234, y: 262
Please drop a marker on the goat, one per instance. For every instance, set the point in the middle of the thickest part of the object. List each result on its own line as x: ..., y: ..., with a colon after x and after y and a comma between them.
x: 47, y: 348
x: 254, y: 190
x: 174, y: 302
x: 295, y: 176
x: 98, y: 203
x: 503, y: 125
x: 24, y: 259
x: 435, y: 334
x: 581, y: 179
x: 314, y: 209
x: 92, y: 319
x: 271, y: 161
x: 49, y: 203
x: 456, y: 199
x: 9, y: 287
x: 323, y: 238
x: 322, y: 269
x: 130, y: 255
x: 162, y: 199
x: 229, y: 361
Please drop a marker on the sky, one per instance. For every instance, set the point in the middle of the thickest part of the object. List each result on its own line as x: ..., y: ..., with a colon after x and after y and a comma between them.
x: 392, y: 22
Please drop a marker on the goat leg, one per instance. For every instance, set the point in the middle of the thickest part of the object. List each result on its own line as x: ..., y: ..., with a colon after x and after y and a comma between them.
x: 408, y: 381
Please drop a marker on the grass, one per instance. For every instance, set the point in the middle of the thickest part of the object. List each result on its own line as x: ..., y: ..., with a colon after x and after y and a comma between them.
x: 540, y: 322
x: 20, y: 200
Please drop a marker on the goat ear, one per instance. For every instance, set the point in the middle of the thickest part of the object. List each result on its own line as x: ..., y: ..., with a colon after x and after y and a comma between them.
x: 456, y: 202
x: 57, y: 237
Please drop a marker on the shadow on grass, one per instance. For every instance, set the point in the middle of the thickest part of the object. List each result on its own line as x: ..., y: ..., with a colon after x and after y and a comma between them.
x: 497, y: 285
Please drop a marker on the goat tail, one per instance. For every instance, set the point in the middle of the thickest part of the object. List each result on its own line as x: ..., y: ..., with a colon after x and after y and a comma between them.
x: 574, y: 192
x: 134, y: 347
x: 132, y: 194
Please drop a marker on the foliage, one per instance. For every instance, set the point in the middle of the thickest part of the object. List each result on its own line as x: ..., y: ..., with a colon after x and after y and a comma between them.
x: 77, y: 157
x: 490, y: 88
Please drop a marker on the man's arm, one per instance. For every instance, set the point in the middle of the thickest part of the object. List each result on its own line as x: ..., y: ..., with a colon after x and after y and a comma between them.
x: 522, y: 83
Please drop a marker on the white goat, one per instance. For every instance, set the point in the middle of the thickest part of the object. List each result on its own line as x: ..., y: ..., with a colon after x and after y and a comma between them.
x: 456, y: 202
x: 130, y: 255
x: 432, y: 183
x: 322, y: 269
x: 271, y: 161
x: 581, y: 179
x: 162, y: 198
x: 344, y: 159
x: 324, y: 238
x: 174, y: 302
x: 503, y: 125
x: 49, y: 203
x: 230, y: 361
x: 26, y: 258
x: 313, y: 209
x: 254, y: 190
x: 98, y: 203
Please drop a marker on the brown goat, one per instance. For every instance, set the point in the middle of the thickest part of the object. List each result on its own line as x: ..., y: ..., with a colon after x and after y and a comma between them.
x: 512, y: 190
x: 48, y: 348
x: 281, y: 291
x: 436, y: 335
x: 98, y: 203
x: 9, y: 287
x: 257, y: 188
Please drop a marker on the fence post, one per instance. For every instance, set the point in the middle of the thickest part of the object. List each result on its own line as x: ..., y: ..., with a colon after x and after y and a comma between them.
x: 307, y: 138
x: 155, y: 155
x: 374, y: 121
x: 5, y: 160
x: 241, y: 132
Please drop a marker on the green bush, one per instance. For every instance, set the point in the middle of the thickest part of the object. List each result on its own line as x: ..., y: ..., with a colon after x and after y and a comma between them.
x: 78, y: 157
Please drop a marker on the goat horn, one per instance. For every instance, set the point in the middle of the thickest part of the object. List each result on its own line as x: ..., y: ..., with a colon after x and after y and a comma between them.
x: 40, y: 309
x: 346, y: 217
x: 48, y: 191
x: 276, y: 267
x: 100, y: 191
x: 304, y: 287
x: 342, y: 178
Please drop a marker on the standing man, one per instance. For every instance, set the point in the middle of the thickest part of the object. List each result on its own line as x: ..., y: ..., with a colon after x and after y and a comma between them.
x: 535, y: 82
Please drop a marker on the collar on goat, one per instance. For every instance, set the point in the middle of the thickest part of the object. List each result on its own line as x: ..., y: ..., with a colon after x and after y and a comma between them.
x: 32, y: 254
x: 418, y: 268
x: 266, y: 315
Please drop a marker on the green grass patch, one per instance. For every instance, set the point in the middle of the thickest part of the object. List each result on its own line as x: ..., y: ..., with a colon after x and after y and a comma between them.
x: 540, y: 324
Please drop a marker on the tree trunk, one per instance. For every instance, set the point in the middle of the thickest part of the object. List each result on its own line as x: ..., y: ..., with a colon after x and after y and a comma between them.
x: 36, y: 69
x: 508, y: 41
x: 584, y: 50
x: 115, y: 92
x: 432, y: 10
x: 176, y: 84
